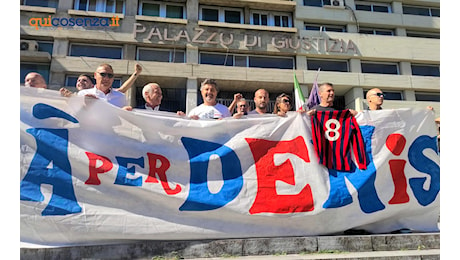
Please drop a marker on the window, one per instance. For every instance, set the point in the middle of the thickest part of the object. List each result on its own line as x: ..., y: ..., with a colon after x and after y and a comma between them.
x: 424, y: 11
x: 373, y: 7
x: 390, y: 95
x: 221, y: 14
x: 425, y: 70
x: 101, y: 51
x: 161, y: 9
x: 107, y: 6
x: 380, y: 68
x: 42, y: 3
x: 426, y: 96
x: 327, y: 65
x: 319, y: 3
x: 45, y: 46
x: 271, y: 19
x: 246, y: 60
x: 422, y: 34
x: 326, y: 28
x: 161, y: 55
x: 71, y: 81
x: 376, y: 31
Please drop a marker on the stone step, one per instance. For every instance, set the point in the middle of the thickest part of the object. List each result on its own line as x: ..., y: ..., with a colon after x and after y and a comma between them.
x: 426, y: 244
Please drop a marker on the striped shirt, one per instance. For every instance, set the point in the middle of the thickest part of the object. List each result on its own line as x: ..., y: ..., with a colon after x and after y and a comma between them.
x: 332, y: 133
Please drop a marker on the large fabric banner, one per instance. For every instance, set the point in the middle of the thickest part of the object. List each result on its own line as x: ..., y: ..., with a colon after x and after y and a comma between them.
x: 92, y: 173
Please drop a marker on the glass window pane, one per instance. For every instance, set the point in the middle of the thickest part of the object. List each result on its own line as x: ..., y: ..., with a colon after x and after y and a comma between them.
x: 312, y: 27
x: 232, y: 16
x: 264, y: 19
x: 379, y: 8
x: 210, y: 14
x: 42, y: 3
x: 119, y: 7
x: 45, y: 46
x: 255, y: 19
x: 379, y: 68
x: 174, y: 11
x: 82, y: 5
x: 277, y: 20
x: 154, y: 55
x: 416, y: 10
x: 285, y: 20
x: 383, y: 32
x: 363, y: 7
x: 110, y: 6
x: 435, y: 12
x: 150, y: 9
x: 327, y: 65
x: 241, y: 61
x: 178, y: 56
x: 427, y: 97
x: 425, y: 70
x: 92, y: 5
x: 216, y: 59
x: 270, y: 62
x: 313, y: 3
x: 393, y: 95
x: 95, y: 51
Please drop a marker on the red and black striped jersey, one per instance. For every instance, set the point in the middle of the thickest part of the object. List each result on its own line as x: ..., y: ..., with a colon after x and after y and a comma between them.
x: 332, y: 133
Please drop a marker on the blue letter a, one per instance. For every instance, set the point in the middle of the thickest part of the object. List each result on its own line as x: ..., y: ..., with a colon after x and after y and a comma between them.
x: 51, y: 150
x: 200, y: 198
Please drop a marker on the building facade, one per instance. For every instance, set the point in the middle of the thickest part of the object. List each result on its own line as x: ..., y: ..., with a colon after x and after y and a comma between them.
x: 243, y: 44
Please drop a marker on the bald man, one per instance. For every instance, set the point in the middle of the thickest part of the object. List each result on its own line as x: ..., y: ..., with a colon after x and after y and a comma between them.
x: 34, y: 80
x: 375, y: 99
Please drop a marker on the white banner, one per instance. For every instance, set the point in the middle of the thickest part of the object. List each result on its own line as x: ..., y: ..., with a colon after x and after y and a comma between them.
x: 92, y: 173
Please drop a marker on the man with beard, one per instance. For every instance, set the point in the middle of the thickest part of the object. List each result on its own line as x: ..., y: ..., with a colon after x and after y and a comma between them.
x: 210, y: 109
x: 261, y: 101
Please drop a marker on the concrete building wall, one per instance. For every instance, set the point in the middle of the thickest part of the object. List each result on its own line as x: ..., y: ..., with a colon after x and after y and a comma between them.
x: 194, y: 36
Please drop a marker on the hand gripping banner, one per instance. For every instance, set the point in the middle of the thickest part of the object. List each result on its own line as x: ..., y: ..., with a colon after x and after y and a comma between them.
x: 92, y: 173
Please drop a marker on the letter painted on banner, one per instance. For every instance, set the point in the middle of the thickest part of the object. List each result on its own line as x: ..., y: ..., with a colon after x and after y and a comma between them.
x: 200, y: 198
x: 267, y: 198
x: 161, y: 172
x: 106, y: 166
x: 50, y: 165
x: 124, y: 172
x: 421, y: 163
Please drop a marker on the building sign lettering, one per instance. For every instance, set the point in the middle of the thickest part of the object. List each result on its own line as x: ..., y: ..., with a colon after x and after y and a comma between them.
x: 232, y: 40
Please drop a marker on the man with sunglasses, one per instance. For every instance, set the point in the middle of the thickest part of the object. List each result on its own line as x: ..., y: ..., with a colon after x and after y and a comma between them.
x: 374, y: 99
x: 103, y: 87
x: 242, y: 108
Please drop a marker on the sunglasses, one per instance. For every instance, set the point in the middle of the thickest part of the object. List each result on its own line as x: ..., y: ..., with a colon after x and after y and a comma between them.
x: 287, y: 101
x: 379, y: 94
x: 103, y: 74
x: 242, y: 105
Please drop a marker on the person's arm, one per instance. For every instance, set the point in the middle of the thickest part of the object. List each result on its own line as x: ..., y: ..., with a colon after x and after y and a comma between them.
x: 232, y: 106
x: 129, y: 83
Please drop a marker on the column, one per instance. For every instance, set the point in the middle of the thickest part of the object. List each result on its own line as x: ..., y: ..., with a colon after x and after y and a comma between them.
x: 191, y: 95
x: 354, y: 99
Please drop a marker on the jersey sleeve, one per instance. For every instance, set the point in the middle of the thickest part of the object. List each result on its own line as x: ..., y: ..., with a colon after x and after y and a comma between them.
x: 358, y: 145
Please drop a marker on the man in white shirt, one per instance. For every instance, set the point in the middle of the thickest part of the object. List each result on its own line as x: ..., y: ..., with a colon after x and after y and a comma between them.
x: 103, y: 88
x: 210, y: 109
x: 152, y: 95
